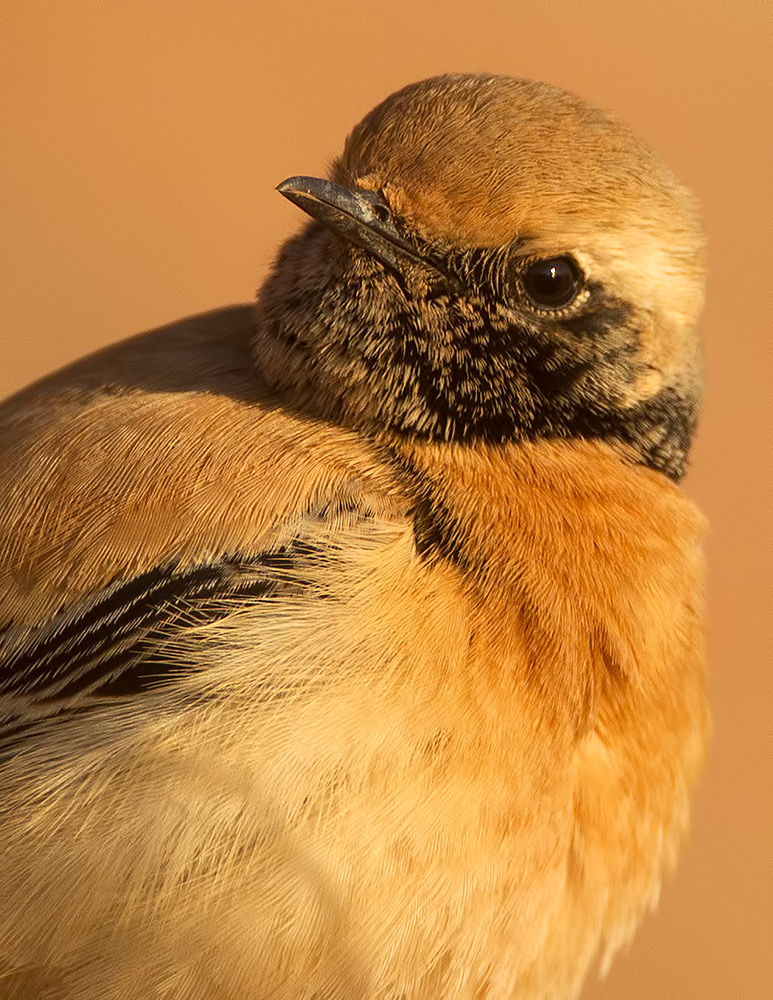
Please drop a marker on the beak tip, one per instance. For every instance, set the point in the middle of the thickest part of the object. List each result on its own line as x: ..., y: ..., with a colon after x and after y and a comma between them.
x: 284, y: 187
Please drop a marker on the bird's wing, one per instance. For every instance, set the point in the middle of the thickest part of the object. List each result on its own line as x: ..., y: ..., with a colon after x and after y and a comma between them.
x: 161, y: 450
x: 112, y: 642
x: 154, y: 491
x: 163, y: 627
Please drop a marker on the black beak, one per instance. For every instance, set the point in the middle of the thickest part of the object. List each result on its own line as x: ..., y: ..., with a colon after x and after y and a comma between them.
x: 363, y: 217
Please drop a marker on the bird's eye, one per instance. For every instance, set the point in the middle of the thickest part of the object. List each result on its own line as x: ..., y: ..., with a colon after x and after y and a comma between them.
x: 552, y: 283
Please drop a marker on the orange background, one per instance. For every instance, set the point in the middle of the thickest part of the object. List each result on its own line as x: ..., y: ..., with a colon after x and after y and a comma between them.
x: 145, y: 142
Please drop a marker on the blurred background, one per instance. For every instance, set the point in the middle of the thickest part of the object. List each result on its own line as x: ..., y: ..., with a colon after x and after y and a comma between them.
x: 145, y: 140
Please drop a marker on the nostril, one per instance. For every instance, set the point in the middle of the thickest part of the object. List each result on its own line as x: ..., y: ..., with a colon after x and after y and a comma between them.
x: 381, y: 212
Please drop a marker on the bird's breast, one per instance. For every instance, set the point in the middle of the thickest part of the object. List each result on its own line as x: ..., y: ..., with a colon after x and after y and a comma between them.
x: 581, y: 578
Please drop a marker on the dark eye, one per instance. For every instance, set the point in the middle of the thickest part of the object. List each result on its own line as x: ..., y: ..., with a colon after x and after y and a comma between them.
x: 552, y: 283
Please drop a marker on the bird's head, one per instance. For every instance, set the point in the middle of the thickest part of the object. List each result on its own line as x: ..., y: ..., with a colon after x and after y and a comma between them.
x: 492, y: 259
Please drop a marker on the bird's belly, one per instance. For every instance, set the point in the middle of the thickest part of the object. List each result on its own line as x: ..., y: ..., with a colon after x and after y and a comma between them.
x: 405, y: 860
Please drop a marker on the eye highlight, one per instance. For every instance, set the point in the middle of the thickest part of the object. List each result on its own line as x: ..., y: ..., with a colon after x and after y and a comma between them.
x: 552, y: 283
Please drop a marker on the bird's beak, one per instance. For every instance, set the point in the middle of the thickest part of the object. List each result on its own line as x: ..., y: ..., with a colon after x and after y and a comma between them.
x: 363, y: 217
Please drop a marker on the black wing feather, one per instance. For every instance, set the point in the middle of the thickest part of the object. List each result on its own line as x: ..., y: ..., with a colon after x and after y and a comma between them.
x: 106, y: 645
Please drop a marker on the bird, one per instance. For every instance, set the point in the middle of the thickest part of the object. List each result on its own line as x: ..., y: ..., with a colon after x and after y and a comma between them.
x: 352, y: 639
